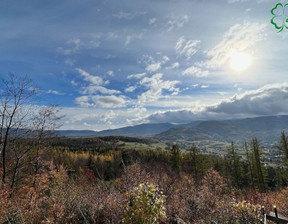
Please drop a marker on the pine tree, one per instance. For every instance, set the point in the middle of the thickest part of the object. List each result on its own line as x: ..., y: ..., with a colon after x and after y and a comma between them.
x: 258, y: 169
x: 176, y: 162
x: 235, y: 165
x: 249, y: 166
x: 283, y: 146
x: 196, y: 162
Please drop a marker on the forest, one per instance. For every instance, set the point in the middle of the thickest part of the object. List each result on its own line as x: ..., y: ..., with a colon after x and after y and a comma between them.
x: 50, y: 179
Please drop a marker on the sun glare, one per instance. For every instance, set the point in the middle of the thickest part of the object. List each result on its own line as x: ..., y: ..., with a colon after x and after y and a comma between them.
x: 240, y: 61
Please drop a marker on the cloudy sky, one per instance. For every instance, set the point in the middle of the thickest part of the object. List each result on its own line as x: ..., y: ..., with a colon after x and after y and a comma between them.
x: 114, y: 63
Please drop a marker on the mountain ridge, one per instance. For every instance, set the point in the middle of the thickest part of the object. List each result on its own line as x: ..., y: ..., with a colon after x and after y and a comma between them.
x: 267, y: 128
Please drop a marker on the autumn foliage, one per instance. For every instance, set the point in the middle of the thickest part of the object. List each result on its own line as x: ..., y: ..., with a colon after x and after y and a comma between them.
x: 142, y: 194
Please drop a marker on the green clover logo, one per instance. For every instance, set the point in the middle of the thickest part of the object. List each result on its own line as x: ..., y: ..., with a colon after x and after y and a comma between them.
x: 279, y: 19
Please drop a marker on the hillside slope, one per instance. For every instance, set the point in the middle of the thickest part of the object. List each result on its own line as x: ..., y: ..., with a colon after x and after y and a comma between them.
x: 266, y: 129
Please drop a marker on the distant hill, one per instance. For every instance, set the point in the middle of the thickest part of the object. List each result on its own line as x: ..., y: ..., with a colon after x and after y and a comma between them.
x: 76, y: 133
x: 142, y: 130
x: 266, y: 129
x: 262, y: 123
x: 138, y: 130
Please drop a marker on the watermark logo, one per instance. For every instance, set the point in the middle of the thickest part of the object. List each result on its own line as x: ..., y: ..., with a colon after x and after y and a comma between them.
x: 279, y: 18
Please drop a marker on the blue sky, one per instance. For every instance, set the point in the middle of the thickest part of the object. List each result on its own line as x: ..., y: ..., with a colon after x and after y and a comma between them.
x: 116, y: 63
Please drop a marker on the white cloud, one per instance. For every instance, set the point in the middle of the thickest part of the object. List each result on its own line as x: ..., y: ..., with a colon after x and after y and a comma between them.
x: 222, y: 93
x: 175, y: 101
x: 130, y: 89
x: 127, y: 15
x: 155, y: 86
x: 204, y: 86
x: 69, y: 62
x: 186, y: 48
x: 128, y: 39
x: 91, y: 89
x: 108, y: 116
x: 95, y: 84
x: 174, y: 65
x: 152, y: 21
x: 83, y: 101
x: 133, y: 36
x: 112, y: 35
x: 165, y: 59
x: 96, y: 80
x: 100, y: 119
x: 109, y: 101
x: 173, y: 116
x: 91, y: 99
x: 75, y: 45
x: 239, y: 37
x: 266, y: 101
x: 123, y: 15
x: 55, y: 92
x: 73, y: 83
x: 180, y: 42
x: 136, y: 76
x: 101, y: 101
x: 86, y: 125
x: 176, y: 22
x: 110, y: 72
x: 153, y: 67
x: 195, y: 71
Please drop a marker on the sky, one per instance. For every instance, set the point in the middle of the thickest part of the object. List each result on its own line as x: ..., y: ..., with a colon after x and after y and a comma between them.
x: 116, y: 63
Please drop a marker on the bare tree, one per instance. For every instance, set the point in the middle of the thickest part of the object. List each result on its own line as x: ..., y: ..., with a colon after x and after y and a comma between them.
x: 44, y: 123
x: 15, y: 94
x: 20, y: 148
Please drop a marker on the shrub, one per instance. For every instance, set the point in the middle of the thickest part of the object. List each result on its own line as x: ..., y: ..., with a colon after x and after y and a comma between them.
x: 145, y: 205
x: 244, y: 212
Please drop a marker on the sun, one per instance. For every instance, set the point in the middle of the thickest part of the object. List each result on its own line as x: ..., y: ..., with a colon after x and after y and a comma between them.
x: 240, y: 61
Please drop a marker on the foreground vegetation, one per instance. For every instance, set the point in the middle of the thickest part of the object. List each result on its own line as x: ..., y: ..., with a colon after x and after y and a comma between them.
x: 110, y: 185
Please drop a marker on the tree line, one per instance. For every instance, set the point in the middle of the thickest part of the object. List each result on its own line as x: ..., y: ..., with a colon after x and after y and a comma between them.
x: 243, y: 172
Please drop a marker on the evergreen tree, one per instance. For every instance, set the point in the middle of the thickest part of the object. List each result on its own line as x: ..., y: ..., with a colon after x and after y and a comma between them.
x: 258, y: 169
x: 176, y: 162
x: 196, y: 162
x: 235, y: 165
x: 248, y: 166
x: 283, y: 146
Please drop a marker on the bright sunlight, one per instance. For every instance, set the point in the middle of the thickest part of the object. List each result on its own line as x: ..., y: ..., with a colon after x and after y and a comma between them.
x: 240, y: 61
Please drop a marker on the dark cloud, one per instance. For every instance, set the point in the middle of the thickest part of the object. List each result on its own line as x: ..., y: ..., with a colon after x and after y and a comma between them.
x: 268, y: 100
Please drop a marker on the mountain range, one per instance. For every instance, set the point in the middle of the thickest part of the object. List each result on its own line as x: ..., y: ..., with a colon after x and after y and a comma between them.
x: 267, y: 129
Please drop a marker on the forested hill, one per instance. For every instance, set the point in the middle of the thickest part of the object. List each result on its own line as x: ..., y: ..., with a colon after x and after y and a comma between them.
x: 132, y: 131
x: 138, y: 130
x: 142, y: 130
x: 266, y: 129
